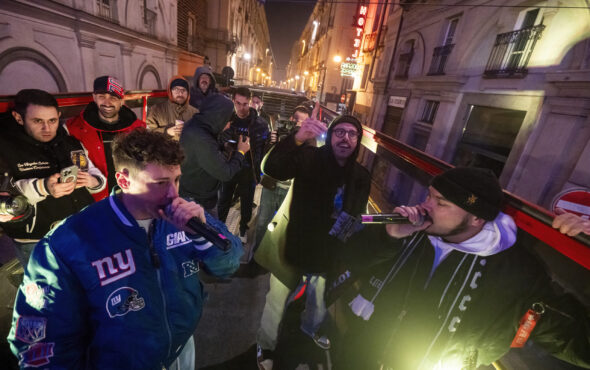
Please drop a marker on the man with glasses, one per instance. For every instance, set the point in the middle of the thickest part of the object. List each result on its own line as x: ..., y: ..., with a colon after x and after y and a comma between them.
x: 169, y: 116
x: 328, y: 186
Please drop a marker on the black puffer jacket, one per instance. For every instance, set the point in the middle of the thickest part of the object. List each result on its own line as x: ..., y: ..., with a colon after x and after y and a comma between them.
x: 205, y: 165
x: 28, y: 158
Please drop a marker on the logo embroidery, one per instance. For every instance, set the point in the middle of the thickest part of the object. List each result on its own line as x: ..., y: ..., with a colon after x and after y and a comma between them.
x: 117, y: 267
x: 471, y: 200
x: 35, y: 295
x: 30, y: 329
x: 37, y: 354
x: 176, y: 240
x: 190, y: 268
x: 123, y: 300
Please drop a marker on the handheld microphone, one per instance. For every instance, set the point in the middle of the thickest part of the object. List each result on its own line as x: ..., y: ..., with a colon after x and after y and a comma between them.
x: 390, y: 218
x: 207, y: 232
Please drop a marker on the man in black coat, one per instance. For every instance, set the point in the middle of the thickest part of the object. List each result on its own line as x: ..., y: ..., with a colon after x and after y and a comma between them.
x: 328, y: 185
x: 245, y: 121
x: 206, y: 165
x: 456, y: 290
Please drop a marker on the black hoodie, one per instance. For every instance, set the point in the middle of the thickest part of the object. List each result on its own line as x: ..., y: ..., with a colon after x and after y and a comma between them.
x: 317, y: 177
x: 205, y: 165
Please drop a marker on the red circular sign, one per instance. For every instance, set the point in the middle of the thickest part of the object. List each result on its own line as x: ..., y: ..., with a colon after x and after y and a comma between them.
x: 575, y: 201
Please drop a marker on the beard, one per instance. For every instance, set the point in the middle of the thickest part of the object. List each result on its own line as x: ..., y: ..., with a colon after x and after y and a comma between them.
x: 460, y: 228
x: 108, y: 113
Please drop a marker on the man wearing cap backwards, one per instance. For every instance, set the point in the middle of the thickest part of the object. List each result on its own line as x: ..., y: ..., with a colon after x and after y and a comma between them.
x: 450, y: 292
x: 169, y: 116
x: 327, y: 184
x: 99, y: 122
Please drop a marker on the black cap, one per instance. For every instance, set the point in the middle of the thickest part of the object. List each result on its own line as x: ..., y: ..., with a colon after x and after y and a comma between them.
x: 179, y: 82
x: 476, y: 190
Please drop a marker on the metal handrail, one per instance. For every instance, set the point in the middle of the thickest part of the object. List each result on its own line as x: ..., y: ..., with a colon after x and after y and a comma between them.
x: 529, y: 217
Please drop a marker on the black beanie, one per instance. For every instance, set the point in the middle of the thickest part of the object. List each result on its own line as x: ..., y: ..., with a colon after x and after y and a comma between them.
x: 179, y: 82
x: 476, y: 190
x: 345, y: 119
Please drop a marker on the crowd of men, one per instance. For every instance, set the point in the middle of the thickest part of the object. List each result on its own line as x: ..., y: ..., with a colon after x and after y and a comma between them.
x: 122, y: 215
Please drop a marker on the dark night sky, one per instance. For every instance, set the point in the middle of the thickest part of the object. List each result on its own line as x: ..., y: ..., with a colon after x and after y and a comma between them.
x: 286, y: 19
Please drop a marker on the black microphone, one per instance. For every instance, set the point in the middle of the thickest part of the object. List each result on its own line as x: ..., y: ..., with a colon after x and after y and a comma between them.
x: 206, y: 231
x: 390, y: 218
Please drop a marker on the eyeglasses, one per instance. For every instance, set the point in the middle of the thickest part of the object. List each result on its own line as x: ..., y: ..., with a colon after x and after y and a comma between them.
x: 352, y: 134
x: 179, y: 90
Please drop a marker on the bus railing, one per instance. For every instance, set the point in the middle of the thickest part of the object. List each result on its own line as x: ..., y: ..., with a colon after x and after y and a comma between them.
x: 528, y: 216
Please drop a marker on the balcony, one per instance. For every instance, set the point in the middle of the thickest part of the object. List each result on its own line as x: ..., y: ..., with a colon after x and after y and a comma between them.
x: 511, y: 53
x: 403, y: 65
x: 369, y: 42
x: 439, y: 59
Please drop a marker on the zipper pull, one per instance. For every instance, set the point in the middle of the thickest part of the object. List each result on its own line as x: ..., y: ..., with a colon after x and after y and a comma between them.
x: 558, y: 311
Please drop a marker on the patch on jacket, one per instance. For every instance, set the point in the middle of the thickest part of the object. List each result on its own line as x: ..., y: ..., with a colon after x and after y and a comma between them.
x: 36, y: 355
x: 177, y: 239
x: 30, y: 329
x: 117, y: 267
x: 35, y: 295
x: 189, y: 268
x: 79, y: 159
x: 123, y: 300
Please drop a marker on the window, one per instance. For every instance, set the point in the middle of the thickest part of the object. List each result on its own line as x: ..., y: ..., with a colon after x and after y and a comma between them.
x: 429, y: 112
x: 365, y: 76
x: 488, y: 137
x: 190, y: 32
x: 150, y: 8
x: 441, y: 53
x: 512, y: 50
x: 405, y: 60
x: 107, y: 9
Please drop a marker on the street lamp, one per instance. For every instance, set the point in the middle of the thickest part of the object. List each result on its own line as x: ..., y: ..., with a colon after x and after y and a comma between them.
x: 337, y: 59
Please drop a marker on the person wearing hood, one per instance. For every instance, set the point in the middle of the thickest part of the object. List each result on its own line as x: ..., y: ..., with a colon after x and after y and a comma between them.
x: 206, y: 166
x: 454, y: 288
x: 328, y: 185
x: 169, y: 116
x: 34, y: 148
x: 98, y: 124
x: 203, y: 86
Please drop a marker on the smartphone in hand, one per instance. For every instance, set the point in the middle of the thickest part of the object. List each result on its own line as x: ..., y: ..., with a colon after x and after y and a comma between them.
x: 68, y: 174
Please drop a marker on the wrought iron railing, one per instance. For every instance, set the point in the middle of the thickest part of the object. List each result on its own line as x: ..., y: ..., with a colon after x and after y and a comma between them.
x: 512, y: 51
x: 403, y: 65
x: 439, y: 59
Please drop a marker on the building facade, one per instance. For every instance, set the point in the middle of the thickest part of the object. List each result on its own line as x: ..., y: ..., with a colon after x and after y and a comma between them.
x: 326, y: 43
x: 500, y: 87
x: 237, y: 36
x: 191, y: 31
x: 61, y: 46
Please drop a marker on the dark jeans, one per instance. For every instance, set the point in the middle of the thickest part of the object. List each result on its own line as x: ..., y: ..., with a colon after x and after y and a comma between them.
x: 243, y: 183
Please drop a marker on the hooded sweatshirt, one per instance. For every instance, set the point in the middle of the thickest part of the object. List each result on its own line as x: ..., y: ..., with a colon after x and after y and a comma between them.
x: 321, y: 188
x: 197, y: 96
x: 164, y: 115
x: 205, y: 165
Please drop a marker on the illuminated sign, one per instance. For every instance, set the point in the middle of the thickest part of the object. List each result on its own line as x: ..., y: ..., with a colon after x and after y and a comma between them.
x: 348, y: 69
x: 361, y: 19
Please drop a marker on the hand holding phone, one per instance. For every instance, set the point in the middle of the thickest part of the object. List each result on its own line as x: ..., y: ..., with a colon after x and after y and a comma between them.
x: 68, y: 174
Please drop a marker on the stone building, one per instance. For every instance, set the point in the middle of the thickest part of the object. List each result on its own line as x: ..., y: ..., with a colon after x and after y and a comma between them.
x: 62, y: 45
x: 237, y: 36
x: 500, y: 87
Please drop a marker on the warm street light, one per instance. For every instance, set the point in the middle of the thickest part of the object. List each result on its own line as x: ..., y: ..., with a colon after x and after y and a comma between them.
x: 337, y: 59
x: 305, y: 73
x: 247, y: 56
x: 297, y: 77
x: 257, y: 69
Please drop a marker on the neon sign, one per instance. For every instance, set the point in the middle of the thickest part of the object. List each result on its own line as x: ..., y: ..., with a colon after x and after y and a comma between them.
x: 361, y: 19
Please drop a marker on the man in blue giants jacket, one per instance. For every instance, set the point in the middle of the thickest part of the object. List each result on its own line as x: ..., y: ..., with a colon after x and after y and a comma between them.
x: 116, y: 286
